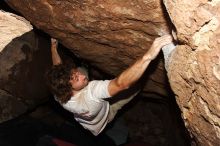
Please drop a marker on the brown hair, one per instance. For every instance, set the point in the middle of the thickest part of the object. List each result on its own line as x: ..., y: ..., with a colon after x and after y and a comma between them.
x: 58, y: 80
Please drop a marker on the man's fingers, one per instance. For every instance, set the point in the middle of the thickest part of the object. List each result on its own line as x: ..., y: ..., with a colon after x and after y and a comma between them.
x: 163, y: 40
x: 158, y: 44
x: 168, y: 40
x: 54, y: 41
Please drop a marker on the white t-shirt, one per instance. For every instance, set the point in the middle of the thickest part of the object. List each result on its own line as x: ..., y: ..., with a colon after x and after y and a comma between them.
x: 89, y: 106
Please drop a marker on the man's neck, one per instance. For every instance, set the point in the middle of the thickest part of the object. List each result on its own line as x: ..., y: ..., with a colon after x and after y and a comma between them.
x: 75, y: 92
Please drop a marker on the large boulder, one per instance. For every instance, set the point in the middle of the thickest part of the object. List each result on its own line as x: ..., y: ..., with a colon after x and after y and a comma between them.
x: 23, y: 62
x: 194, y: 69
x: 111, y: 35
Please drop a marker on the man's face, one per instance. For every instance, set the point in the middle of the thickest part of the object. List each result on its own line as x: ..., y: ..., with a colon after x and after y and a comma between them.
x: 78, y: 80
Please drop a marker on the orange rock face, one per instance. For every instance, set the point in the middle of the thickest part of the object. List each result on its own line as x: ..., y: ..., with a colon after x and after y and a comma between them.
x: 112, y: 34
x: 194, y: 71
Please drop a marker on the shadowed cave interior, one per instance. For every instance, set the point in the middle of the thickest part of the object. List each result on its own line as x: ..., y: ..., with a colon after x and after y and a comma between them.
x: 146, y: 121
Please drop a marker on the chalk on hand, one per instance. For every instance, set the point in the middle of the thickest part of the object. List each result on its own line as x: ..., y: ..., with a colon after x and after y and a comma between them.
x: 167, y: 51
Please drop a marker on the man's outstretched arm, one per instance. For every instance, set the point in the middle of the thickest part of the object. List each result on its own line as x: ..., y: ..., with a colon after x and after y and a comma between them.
x: 134, y: 72
x: 56, y: 60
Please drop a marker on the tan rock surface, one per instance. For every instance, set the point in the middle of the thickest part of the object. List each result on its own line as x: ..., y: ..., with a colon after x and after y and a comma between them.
x: 194, y: 69
x: 22, y: 64
x: 112, y: 34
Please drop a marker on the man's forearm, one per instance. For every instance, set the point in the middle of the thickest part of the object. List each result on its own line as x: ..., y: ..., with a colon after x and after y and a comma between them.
x: 133, y: 73
x: 56, y: 60
x: 129, y: 76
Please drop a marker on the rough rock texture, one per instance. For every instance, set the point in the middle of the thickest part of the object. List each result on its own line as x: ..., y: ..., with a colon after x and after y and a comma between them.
x: 157, y: 124
x: 10, y: 106
x: 23, y: 62
x: 111, y: 35
x: 194, y: 71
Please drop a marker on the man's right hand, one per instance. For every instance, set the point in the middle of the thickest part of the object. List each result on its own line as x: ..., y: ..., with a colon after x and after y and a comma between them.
x: 157, y: 45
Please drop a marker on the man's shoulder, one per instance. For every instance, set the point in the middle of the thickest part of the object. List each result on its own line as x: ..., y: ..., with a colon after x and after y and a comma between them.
x: 99, y: 81
x: 95, y: 83
x: 99, y: 88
